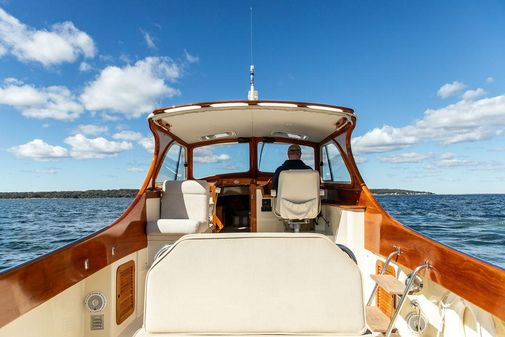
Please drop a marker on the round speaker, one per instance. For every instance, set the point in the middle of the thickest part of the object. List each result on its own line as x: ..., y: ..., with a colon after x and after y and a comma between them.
x: 95, y: 301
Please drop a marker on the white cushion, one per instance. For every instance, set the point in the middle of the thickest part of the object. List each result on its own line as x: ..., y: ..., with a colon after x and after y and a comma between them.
x: 255, y: 283
x: 184, y: 208
x: 173, y: 226
x: 298, y: 195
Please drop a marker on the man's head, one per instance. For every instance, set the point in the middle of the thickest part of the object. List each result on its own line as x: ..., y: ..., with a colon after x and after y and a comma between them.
x: 294, y: 152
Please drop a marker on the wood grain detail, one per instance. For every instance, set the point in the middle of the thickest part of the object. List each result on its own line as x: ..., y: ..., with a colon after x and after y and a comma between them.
x: 125, y: 291
x: 385, y: 301
x: 474, y: 280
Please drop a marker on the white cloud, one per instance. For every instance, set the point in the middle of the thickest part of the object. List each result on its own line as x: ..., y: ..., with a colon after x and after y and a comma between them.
x: 134, y: 89
x: 385, y: 139
x: 62, y: 43
x: 136, y: 169
x: 207, y: 156
x: 450, y: 89
x: 90, y: 129
x: 191, y: 58
x: 147, y: 143
x: 409, y: 157
x: 85, y: 148
x: 42, y: 171
x: 127, y: 135
x: 489, y: 79
x: 56, y: 102
x: 37, y: 149
x: 84, y: 66
x: 148, y: 39
x: 450, y: 160
x: 470, y: 95
x: 459, y: 122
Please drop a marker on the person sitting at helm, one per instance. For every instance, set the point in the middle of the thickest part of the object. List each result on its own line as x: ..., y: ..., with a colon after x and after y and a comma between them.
x: 293, y: 163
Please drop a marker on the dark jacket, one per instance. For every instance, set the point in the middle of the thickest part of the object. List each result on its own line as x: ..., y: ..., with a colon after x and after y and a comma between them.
x: 296, y: 164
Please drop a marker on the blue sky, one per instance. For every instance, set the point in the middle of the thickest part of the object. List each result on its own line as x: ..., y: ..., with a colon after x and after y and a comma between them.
x: 427, y: 81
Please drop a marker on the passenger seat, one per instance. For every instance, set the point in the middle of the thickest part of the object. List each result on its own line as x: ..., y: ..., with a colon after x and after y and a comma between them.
x: 184, y: 208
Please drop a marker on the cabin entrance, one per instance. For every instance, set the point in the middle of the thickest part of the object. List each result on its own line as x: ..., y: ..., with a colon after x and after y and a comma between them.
x: 233, y: 208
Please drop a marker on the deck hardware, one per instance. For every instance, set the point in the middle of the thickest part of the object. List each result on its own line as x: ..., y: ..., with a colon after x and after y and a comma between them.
x: 86, y: 264
x: 394, y: 253
x: 410, y: 283
x: 113, y: 250
x: 96, y: 322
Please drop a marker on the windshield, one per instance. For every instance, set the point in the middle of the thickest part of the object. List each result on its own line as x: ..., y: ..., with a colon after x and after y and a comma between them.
x: 272, y: 155
x: 217, y: 159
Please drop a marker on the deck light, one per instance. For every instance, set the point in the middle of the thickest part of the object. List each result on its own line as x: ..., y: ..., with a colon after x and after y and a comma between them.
x: 228, y: 105
x: 219, y: 135
x: 290, y: 135
x: 183, y: 108
x: 278, y: 105
x: 325, y: 108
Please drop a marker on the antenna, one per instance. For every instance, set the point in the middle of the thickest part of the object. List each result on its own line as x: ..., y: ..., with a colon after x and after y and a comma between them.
x: 252, y: 95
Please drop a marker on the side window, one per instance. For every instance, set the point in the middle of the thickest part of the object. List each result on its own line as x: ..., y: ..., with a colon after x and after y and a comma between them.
x: 334, y: 169
x: 173, y: 167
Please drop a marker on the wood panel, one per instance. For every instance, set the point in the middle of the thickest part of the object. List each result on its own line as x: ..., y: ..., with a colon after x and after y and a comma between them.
x: 474, y: 280
x: 26, y: 286
x: 125, y: 291
x: 385, y: 301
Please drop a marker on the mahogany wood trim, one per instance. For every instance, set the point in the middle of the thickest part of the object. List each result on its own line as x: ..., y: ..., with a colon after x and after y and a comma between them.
x: 253, y: 215
x: 125, y: 291
x: 476, y: 281
x: 28, y: 285
x: 208, y: 104
x: 384, y: 301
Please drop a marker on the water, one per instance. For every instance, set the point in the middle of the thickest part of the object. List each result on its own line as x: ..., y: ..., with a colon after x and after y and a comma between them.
x: 473, y: 224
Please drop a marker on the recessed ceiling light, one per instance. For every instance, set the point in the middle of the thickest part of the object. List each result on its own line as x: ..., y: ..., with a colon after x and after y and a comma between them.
x: 280, y: 105
x: 325, y: 108
x: 219, y: 135
x: 183, y: 108
x: 289, y: 135
x: 228, y: 105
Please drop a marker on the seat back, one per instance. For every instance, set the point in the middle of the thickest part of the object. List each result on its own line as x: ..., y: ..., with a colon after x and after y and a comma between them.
x: 187, y: 199
x: 298, y: 195
x: 254, y: 283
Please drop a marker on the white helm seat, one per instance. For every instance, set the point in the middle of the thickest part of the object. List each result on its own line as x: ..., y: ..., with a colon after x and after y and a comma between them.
x: 297, y: 196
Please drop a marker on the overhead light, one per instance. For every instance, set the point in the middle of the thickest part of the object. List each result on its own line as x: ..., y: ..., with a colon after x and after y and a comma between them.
x: 278, y: 105
x: 290, y: 135
x: 183, y: 108
x: 228, y: 105
x: 325, y: 108
x: 219, y: 135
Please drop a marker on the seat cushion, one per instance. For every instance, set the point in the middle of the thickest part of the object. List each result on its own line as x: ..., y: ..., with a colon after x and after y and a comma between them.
x: 174, y: 226
x: 255, y: 283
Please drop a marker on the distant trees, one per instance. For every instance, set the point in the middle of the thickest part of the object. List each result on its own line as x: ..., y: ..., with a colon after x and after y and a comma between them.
x: 121, y: 193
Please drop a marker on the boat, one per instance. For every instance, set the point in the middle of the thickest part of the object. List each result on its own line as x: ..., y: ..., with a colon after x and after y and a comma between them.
x: 207, y: 248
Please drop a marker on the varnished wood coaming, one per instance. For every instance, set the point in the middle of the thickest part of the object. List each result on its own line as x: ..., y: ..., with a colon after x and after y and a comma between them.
x: 474, y: 280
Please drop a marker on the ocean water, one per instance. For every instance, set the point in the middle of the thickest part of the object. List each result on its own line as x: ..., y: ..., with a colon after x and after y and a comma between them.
x: 473, y: 224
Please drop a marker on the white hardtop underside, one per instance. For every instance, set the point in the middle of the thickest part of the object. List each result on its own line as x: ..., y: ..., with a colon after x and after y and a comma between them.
x: 240, y: 119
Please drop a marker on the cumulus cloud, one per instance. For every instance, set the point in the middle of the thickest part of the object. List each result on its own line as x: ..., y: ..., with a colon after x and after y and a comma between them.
x: 409, y: 157
x: 39, y: 150
x: 90, y: 129
x: 148, y: 39
x: 56, y: 102
x: 63, y: 42
x: 489, y: 79
x: 127, y: 135
x: 147, y: 143
x: 134, y: 89
x: 86, y: 148
x: 450, y: 89
x: 460, y: 122
x: 470, y: 95
x: 207, y: 156
x: 383, y: 139
x: 84, y: 66
x: 191, y: 58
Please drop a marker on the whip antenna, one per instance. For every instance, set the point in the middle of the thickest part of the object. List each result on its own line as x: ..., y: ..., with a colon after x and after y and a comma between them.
x: 252, y: 95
